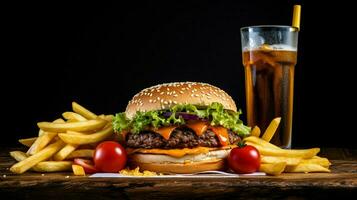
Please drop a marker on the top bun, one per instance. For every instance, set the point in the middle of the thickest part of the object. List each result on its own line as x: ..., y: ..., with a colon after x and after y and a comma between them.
x: 164, y: 96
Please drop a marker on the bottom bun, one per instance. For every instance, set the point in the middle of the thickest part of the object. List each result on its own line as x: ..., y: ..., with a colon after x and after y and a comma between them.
x: 182, y: 168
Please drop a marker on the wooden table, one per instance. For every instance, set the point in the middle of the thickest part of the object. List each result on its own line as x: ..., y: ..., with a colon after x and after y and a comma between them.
x: 341, y: 183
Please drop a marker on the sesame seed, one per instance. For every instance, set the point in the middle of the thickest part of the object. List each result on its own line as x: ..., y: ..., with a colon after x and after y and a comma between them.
x: 175, y: 95
x: 42, y: 174
x: 67, y: 177
x: 150, y: 100
x: 165, y: 102
x: 158, y: 98
x: 162, y: 93
x: 197, y: 95
x: 154, y: 101
x: 181, y: 92
x: 175, y: 102
x: 162, y: 107
x: 168, y: 89
x: 162, y: 100
x: 4, y: 176
x: 170, y: 101
x: 192, y: 95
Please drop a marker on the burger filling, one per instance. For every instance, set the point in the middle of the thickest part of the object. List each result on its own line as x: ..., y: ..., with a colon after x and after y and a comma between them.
x: 182, y: 126
x: 180, y: 138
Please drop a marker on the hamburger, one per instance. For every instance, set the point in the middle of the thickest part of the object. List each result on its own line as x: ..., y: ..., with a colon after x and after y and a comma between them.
x: 182, y: 127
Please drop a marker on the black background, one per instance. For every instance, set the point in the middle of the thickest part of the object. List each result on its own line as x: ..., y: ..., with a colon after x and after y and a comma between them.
x: 102, y: 53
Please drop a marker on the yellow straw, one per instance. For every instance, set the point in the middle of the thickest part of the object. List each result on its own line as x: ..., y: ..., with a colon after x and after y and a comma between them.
x: 296, y: 16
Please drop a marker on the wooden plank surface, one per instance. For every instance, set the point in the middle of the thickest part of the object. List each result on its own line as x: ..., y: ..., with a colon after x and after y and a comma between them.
x: 342, y: 182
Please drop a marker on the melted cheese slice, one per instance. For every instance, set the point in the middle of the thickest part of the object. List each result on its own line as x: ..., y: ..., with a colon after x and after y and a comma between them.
x: 175, y: 152
x: 198, y: 127
x: 222, y: 134
x: 165, y: 132
x: 178, y: 153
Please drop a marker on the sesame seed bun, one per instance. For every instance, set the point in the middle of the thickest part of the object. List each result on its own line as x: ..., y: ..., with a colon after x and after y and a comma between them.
x: 164, y: 96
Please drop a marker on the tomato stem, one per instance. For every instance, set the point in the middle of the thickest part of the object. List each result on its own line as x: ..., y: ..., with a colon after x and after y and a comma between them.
x: 241, y: 144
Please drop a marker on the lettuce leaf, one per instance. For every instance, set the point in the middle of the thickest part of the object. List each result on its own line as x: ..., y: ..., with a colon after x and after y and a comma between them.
x: 215, y: 113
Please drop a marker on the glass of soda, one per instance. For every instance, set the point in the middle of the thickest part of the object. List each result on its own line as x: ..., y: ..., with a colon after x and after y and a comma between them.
x: 269, y: 59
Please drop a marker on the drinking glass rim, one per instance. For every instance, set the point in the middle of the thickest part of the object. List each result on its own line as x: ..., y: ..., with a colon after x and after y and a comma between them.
x: 269, y: 26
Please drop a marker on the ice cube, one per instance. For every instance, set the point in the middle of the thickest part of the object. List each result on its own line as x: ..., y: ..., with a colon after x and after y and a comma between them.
x: 255, y: 40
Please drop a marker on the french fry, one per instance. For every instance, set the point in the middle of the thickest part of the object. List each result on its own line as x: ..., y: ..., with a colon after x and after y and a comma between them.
x: 306, y: 167
x: 18, y: 155
x: 71, y: 120
x: 44, y: 166
x: 40, y: 132
x: 270, y: 131
x: 273, y: 169
x: 302, y: 153
x: 68, y: 149
x: 109, y: 118
x: 255, y: 132
x: 87, y: 139
x: 261, y: 142
x: 83, y: 132
x: 89, y: 125
x: 274, y: 160
x: 75, y: 133
x: 53, y: 166
x: 78, y: 170
x: 83, y: 111
x: 65, y: 151
x: 28, y: 141
x: 75, y: 117
x: 324, y: 162
x: 31, y: 161
x: 81, y: 153
x: 57, y: 121
x: 41, y: 142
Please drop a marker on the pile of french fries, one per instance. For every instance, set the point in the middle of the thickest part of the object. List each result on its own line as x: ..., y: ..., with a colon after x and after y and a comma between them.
x: 275, y: 160
x: 60, y: 141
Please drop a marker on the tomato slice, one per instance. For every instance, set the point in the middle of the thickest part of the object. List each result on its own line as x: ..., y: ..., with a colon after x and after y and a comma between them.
x: 87, y: 165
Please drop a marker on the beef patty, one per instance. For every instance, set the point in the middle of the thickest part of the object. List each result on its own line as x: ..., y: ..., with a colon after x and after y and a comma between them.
x: 180, y: 138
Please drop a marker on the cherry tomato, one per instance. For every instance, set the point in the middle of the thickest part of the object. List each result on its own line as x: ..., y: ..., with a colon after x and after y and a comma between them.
x: 109, y: 156
x: 244, y: 159
x: 86, y: 164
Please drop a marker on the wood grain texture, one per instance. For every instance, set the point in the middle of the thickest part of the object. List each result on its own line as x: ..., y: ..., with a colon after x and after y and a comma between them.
x: 342, y: 182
